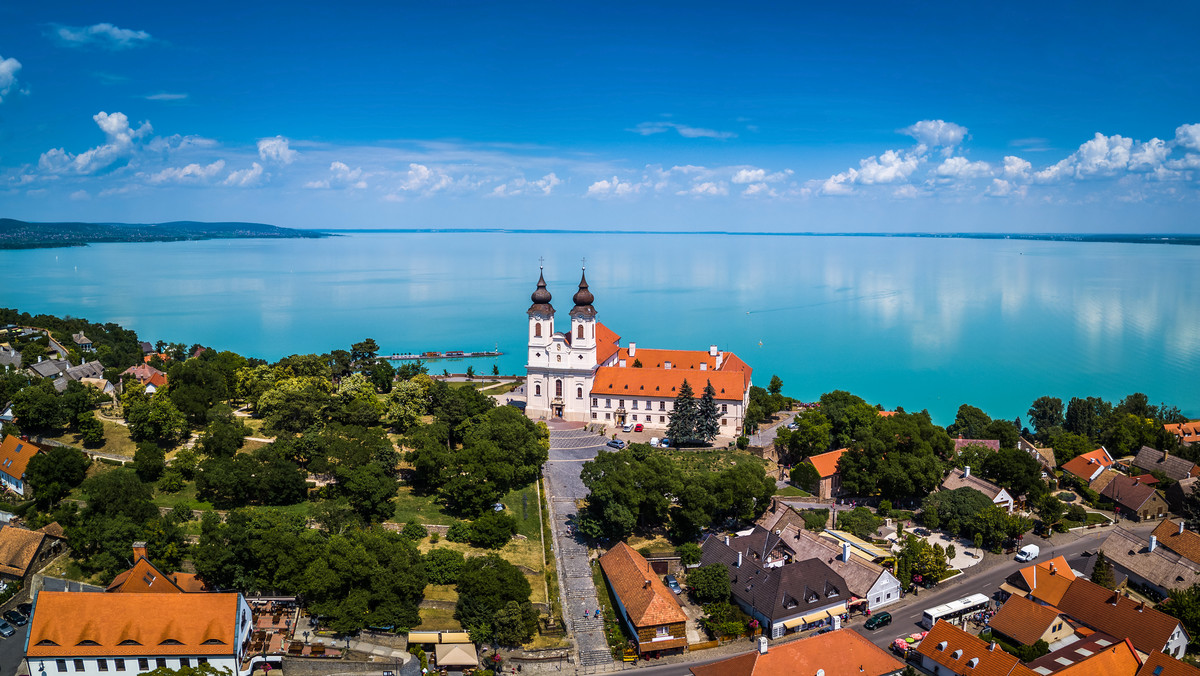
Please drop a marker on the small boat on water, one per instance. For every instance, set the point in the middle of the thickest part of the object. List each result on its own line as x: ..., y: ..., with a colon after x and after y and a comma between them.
x: 449, y: 354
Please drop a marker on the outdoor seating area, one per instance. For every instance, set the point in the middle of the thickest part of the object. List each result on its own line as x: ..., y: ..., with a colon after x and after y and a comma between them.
x: 275, y: 622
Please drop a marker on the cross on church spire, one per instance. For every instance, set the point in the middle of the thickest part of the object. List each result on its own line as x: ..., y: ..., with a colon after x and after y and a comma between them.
x: 541, y: 262
x: 583, y: 262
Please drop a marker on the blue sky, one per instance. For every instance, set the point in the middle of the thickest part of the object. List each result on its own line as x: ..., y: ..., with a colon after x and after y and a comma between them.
x: 878, y: 117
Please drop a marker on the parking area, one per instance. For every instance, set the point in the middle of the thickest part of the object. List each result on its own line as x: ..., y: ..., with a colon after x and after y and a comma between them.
x: 12, y: 651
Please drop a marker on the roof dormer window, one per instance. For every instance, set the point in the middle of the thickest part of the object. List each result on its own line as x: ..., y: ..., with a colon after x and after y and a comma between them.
x: 956, y: 654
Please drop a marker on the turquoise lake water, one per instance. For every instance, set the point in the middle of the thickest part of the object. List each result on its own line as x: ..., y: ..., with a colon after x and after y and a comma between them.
x: 918, y: 323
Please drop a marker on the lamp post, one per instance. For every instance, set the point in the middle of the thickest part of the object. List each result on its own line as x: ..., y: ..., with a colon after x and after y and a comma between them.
x: 305, y: 637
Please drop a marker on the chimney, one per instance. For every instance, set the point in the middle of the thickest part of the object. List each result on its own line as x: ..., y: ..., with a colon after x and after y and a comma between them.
x: 1153, y: 543
x: 992, y: 647
x: 139, y: 551
x: 1181, y: 527
x: 712, y: 350
x: 845, y: 551
x: 720, y: 357
x: 762, y: 645
x: 966, y: 471
x: 726, y: 540
x: 739, y: 563
x: 1141, y: 606
x: 632, y: 350
x: 646, y: 584
x: 39, y: 358
x: 1053, y: 569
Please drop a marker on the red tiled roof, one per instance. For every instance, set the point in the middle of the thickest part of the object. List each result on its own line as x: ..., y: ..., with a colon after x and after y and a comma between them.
x: 1128, y: 492
x: 827, y: 463
x: 1023, y: 620
x: 1185, y: 543
x: 1149, y: 629
x: 655, y: 382
x: 606, y: 343
x: 1161, y: 664
x: 1120, y: 659
x: 1188, y: 432
x: 1085, y: 465
x: 71, y: 624
x: 18, y: 546
x: 844, y: 652
x: 646, y: 599
x: 15, y: 455
x: 955, y: 649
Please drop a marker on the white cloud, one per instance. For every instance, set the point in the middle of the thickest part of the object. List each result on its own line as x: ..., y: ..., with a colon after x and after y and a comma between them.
x: 706, y: 189
x: 244, y: 178
x: 757, y: 175
x: 1015, y: 167
x: 177, y: 142
x: 936, y: 133
x: 1149, y: 156
x: 1003, y: 188
x: 758, y: 189
x: 342, y: 176
x: 421, y: 178
x: 276, y: 150
x: 615, y: 188
x: 8, y: 76
x: 192, y: 173
x: 164, y: 96
x: 1188, y: 136
x: 120, y: 140
x: 102, y: 35
x: 649, y: 128
x: 80, y: 195
x: 1101, y: 156
x: 961, y: 167
x: 905, y: 192
x: 521, y: 185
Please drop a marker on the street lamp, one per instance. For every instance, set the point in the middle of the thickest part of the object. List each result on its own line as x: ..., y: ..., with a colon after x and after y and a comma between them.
x: 305, y: 637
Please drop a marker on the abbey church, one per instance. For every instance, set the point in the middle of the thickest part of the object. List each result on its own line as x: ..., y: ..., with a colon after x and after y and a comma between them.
x: 583, y: 374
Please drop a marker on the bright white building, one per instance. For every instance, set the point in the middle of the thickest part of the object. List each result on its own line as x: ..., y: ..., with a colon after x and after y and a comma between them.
x: 583, y: 374
x: 94, y: 634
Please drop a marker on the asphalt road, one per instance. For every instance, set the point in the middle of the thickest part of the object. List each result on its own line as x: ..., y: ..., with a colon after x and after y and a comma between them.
x: 12, y: 651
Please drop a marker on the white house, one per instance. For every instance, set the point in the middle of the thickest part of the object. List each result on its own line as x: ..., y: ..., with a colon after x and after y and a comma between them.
x: 15, y: 454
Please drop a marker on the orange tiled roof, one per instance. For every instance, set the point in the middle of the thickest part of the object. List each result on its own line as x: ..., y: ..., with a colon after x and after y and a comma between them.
x: 71, y: 624
x: 606, y: 343
x: 54, y: 529
x: 144, y: 373
x: 144, y: 578
x: 1048, y: 580
x: 1149, y: 629
x: 15, y: 455
x: 1188, y: 432
x: 955, y: 649
x: 827, y: 463
x: 1185, y: 543
x: 1120, y: 659
x: 653, y: 382
x: 17, y: 549
x: 645, y: 597
x: 844, y: 652
x: 1085, y: 465
x: 1023, y: 620
x: 689, y: 360
x: 1161, y: 664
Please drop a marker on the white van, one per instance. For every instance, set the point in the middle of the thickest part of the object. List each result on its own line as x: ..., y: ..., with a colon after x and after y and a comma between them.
x: 1028, y: 553
x: 628, y: 427
x: 654, y: 442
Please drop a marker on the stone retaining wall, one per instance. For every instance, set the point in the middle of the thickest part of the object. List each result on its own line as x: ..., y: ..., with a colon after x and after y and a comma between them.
x: 317, y: 666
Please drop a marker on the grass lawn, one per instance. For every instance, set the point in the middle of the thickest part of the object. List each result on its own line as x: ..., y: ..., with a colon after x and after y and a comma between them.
x: 186, y: 496
x: 441, y: 592
x: 522, y: 505
x: 66, y: 567
x: 116, y: 439
x: 657, y: 544
x: 711, y: 460
x: 477, y: 384
x: 793, y: 492
x: 502, y: 388
x: 420, y: 508
x: 437, y: 619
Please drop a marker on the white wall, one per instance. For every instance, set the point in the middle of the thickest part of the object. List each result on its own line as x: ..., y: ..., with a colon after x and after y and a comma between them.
x: 91, y: 665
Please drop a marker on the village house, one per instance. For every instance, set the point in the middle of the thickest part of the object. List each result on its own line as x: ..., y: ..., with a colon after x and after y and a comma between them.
x: 25, y: 552
x: 1026, y: 622
x: 1147, y: 563
x: 1159, y: 664
x: 990, y: 444
x: 1135, y: 500
x: 947, y: 650
x: 583, y: 374
x: 1173, y: 466
x: 829, y: 484
x: 783, y: 598
x: 94, y: 634
x: 1045, y: 580
x: 146, y: 578
x: 1044, y: 456
x: 647, y: 608
x: 1180, y: 491
x: 148, y: 376
x: 1088, y: 466
x: 1187, y: 433
x: 1073, y: 653
x: 962, y: 478
x: 844, y: 652
x: 83, y: 342
x: 15, y: 454
x: 9, y: 358
x: 1172, y: 535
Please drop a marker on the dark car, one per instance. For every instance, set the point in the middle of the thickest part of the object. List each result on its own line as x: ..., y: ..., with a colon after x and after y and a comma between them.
x: 673, y: 584
x: 878, y: 620
x: 617, y: 444
x: 25, y: 608
x: 6, y: 629
x: 16, y: 618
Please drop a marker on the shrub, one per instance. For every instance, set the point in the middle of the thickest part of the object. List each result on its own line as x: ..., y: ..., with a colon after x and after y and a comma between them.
x: 443, y: 565
x: 434, y: 537
x: 743, y: 442
x: 414, y: 531
x: 885, y: 508
x: 493, y: 530
x: 1077, y: 513
x: 815, y: 519
x: 459, y: 531
x: 171, y: 481
x: 149, y: 461
x: 689, y: 553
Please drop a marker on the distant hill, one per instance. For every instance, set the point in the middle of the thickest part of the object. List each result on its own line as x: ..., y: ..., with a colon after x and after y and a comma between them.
x: 16, y: 234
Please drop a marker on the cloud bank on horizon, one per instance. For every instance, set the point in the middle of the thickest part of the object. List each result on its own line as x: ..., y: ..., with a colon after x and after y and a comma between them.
x: 171, y: 136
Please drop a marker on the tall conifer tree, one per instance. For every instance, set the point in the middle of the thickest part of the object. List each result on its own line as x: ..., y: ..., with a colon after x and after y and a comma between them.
x: 682, y: 425
x: 708, y: 423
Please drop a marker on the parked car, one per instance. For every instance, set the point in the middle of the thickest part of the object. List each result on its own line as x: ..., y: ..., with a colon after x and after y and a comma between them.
x: 793, y: 426
x: 627, y: 428
x: 673, y: 584
x: 25, y: 608
x: 665, y: 442
x: 617, y: 444
x: 16, y: 618
x: 638, y: 427
x: 878, y: 620
x: 6, y: 629
x: 824, y: 630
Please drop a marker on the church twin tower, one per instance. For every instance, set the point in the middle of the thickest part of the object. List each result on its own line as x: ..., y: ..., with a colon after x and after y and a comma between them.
x: 561, y: 366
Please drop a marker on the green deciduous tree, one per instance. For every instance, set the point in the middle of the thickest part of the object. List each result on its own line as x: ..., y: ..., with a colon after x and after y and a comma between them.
x: 493, y: 530
x: 39, y: 408
x: 149, y: 461
x: 711, y: 583
x: 1102, y: 573
x: 970, y: 423
x: 443, y: 565
x: 54, y: 473
x: 486, y: 584
x: 859, y: 521
x: 91, y: 430
x: 1046, y: 414
x: 156, y: 419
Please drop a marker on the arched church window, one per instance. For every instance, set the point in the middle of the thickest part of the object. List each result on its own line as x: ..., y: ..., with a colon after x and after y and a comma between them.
x: 579, y: 392
x: 537, y: 330
x: 537, y: 390
x: 558, y: 388
x: 579, y: 333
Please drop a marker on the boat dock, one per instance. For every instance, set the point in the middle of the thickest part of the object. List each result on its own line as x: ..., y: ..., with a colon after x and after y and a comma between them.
x: 449, y: 354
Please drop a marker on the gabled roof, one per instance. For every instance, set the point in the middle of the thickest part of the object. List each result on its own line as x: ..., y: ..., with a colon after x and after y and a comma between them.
x: 960, y: 479
x: 1117, y: 615
x: 1174, y: 536
x: 80, y: 339
x: 1073, y: 653
x: 1120, y: 659
x: 17, y: 549
x: 144, y: 578
x: 1175, y: 467
x: 1160, y: 567
x: 142, y: 372
x: 844, y: 652
x: 1023, y: 620
x: 606, y: 343
x: 963, y: 653
x: 646, y: 599
x: 49, y: 368
x: 91, y: 369
x: 1161, y: 664
x: 1104, y: 479
x: 70, y: 624
x: 827, y: 463
x: 780, y: 592
x: 634, y: 383
x: 1048, y: 580
x: 1128, y: 492
x: 15, y: 455
x: 1188, y: 432
x: 1087, y: 465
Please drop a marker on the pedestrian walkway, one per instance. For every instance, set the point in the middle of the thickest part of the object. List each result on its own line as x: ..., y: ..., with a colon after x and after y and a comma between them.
x: 571, y: 448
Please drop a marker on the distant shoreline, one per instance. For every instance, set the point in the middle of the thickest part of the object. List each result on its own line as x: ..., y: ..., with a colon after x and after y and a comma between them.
x: 1120, y: 238
x: 16, y: 234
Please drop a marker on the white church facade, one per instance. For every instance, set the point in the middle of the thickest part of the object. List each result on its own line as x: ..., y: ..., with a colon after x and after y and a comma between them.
x: 581, y: 373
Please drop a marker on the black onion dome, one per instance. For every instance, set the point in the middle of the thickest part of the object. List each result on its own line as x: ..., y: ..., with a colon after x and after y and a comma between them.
x: 583, y: 296
x: 542, y: 295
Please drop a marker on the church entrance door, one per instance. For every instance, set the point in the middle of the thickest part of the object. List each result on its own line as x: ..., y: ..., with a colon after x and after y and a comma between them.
x: 557, y: 410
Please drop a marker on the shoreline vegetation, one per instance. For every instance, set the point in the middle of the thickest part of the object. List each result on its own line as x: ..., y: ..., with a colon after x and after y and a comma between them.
x: 16, y: 234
